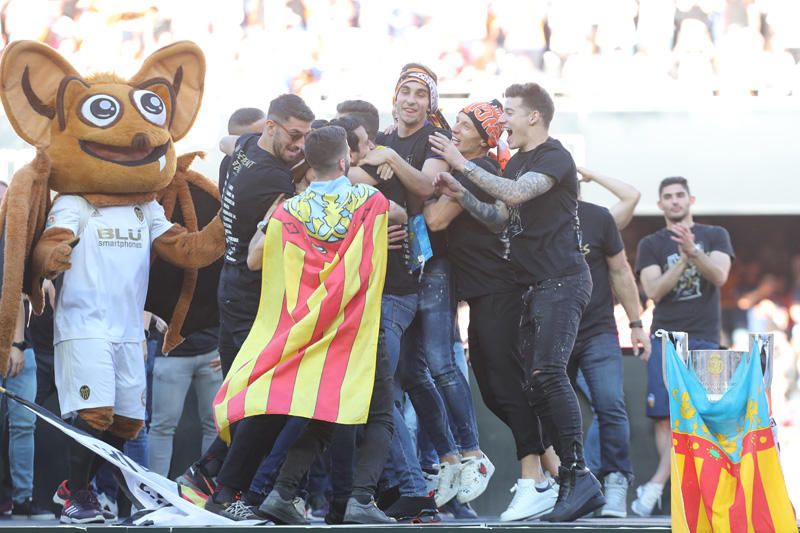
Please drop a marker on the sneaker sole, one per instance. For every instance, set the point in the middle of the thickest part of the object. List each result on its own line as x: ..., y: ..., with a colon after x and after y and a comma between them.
x: 607, y: 513
x: 532, y: 516
x: 95, y: 520
x: 591, y: 505
x: 639, y: 512
x: 281, y: 519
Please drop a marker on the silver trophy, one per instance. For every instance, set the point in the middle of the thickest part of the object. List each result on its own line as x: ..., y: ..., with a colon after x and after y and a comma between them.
x: 715, y: 368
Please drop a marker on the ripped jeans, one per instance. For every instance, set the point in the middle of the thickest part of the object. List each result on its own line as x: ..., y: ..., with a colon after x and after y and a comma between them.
x: 551, y: 313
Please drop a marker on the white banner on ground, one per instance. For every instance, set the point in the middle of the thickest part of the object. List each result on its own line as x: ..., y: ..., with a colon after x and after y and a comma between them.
x: 155, y: 493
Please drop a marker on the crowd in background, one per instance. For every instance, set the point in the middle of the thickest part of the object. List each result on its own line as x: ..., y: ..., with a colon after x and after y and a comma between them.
x: 613, y: 48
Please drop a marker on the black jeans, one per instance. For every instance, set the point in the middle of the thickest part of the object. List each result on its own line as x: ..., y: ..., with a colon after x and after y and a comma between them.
x: 371, y: 455
x: 551, y: 313
x: 252, y: 441
x: 497, y: 365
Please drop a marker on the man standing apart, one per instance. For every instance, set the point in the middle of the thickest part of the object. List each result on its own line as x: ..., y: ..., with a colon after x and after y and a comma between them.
x: 546, y: 254
x: 681, y: 267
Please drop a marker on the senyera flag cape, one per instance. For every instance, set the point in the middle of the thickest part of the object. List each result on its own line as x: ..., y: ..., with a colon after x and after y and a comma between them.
x: 726, y: 473
x: 312, y: 349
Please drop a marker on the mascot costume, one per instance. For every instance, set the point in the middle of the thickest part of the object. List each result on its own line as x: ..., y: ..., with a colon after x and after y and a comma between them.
x: 106, y: 146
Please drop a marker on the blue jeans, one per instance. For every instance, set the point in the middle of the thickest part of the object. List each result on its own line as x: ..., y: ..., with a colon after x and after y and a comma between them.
x: 599, y: 360
x: 428, y: 370
x: 21, y: 426
x: 403, y: 468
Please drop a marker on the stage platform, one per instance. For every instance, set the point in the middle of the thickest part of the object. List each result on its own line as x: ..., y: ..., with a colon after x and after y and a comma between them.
x: 629, y: 525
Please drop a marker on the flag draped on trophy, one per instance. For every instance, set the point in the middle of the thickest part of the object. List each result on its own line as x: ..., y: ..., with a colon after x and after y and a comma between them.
x: 312, y: 349
x: 726, y: 474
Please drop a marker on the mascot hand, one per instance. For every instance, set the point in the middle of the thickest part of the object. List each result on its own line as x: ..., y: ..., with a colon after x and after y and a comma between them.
x: 59, y: 260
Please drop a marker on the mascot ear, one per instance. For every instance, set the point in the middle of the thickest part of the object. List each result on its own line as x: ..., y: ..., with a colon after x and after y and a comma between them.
x: 30, y: 76
x: 181, y: 65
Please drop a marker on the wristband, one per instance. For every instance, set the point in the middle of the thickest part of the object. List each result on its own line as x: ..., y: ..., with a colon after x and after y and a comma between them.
x: 635, y: 324
x: 21, y: 346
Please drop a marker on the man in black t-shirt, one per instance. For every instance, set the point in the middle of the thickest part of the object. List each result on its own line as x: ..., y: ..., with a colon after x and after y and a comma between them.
x: 597, y: 352
x: 407, y: 153
x: 546, y: 256
x: 478, y: 246
x: 681, y: 267
x: 243, y: 121
x: 258, y: 178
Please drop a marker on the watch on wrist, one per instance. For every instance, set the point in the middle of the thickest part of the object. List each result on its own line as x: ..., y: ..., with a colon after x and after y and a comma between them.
x: 696, y: 250
x: 21, y: 346
x: 635, y: 324
x: 262, y: 226
x: 469, y: 167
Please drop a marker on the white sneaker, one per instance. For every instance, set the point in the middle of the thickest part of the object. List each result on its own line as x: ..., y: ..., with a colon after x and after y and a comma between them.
x: 615, y: 490
x: 475, y: 475
x: 528, y: 502
x: 449, y: 480
x: 647, y: 497
x: 431, y: 482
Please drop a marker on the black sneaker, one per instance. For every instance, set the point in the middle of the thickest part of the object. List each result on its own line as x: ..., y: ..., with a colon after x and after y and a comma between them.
x: 579, y: 493
x: 460, y: 511
x: 27, y: 510
x: 238, y: 511
x: 82, y: 508
x: 335, y: 515
x: 288, y: 512
x: 197, y: 478
x: 365, y: 513
x: 414, y: 510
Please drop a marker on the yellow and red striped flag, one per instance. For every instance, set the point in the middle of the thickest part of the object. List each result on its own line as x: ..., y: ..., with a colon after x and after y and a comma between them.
x: 312, y: 349
x: 726, y: 473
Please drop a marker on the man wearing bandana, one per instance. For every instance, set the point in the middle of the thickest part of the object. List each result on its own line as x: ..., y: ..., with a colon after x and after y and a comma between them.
x: 406, y: 151
x: 478, y: 246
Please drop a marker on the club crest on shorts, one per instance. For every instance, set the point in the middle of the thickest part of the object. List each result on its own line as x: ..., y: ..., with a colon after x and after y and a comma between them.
x: 139, y: 213
x: 85, y: 392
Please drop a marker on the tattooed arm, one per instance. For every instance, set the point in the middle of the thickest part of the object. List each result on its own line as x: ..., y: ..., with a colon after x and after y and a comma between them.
x: 493, y: 216
x: 529, y: 185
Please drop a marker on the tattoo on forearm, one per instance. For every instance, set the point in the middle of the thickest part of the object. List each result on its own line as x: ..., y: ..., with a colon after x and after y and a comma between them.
x: 529, y: 185
x: 493, y: 216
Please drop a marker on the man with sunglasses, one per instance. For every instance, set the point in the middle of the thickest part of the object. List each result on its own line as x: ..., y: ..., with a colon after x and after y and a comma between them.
x: 259, y: 175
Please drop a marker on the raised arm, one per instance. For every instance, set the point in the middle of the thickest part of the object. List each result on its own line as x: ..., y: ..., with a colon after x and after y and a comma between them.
x: 715, y: 266
x: 657, y: 285
x: 628, y: 195
x: 418, y: 182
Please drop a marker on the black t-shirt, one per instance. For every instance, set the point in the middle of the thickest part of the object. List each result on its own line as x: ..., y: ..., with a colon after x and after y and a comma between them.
x: 601, y: 239
x: 545, y: 231
x: 198, y: 343
x: 693, y: 305
x: 481, y: 259
x: 255, y: 180
x: 224, y: 167
x: 415, y: 149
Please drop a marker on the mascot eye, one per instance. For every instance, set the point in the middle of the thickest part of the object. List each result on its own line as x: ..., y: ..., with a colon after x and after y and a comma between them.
x: 100, y: 110
x: 151, y: 106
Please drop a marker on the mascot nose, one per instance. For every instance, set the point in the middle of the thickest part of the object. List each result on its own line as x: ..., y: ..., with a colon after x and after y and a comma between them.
x: 140, y: 142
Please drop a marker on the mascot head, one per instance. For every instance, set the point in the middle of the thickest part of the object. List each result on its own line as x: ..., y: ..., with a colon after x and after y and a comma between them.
x: 103, y: 134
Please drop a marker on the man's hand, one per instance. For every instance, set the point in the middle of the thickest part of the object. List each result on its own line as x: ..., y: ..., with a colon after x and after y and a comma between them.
x: 49, y: 292
x: 443, y: 146
x: 445, y: 184
x: 640, y: 341
x: 377, y: 156
x: 385, y: 172
x: 16, y: 362
x: 397, y: 234
x: 685, y: 239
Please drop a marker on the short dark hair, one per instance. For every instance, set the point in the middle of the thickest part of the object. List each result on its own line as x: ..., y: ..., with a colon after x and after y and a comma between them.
x: 673, y: 180
x: 324, y: 147
x: 535, y: 98
x: 350, y: 125
x: 243, y: 117
x: 364, y: 112
x: 288, y: 106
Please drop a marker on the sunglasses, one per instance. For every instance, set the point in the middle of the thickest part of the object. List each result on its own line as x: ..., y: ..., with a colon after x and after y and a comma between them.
x: 294, y: 135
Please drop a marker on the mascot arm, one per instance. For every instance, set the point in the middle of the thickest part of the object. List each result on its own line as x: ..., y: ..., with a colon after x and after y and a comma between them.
x: 192, y: 250
x: 51, y: 255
